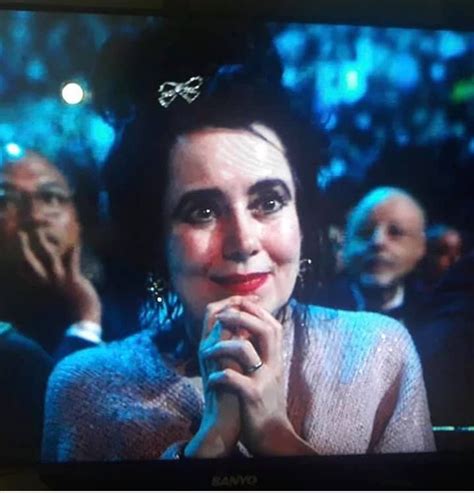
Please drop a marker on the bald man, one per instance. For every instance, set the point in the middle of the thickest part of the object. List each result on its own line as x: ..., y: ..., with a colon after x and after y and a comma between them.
x: 384, y: 242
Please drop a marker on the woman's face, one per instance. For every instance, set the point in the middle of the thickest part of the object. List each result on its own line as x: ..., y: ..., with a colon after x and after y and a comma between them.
x: 233, y: 225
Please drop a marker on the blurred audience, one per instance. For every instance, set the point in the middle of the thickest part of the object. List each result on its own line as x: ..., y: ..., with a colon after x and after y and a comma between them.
x: 391, y: 266
x: 384, y: 242
x: 43, y: 291
x: 446, y: 345
x: 443, y: 249
x: 24, y: 372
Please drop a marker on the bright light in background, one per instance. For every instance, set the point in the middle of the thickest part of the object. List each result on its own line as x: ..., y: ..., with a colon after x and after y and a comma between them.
x: 352, y: 79
x: 13, y: 150
x: 72, y: 93
x: 451, y: 44
x: 352, y: 83
x: 336, y: 84
x: 291, y: 44
x: 327, y: 174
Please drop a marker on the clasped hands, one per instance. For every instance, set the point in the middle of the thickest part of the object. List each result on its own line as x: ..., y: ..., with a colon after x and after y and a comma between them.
x: 241, y: 366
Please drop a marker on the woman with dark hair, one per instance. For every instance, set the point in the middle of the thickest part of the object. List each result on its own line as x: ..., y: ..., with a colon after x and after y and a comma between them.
x: 211, y: 189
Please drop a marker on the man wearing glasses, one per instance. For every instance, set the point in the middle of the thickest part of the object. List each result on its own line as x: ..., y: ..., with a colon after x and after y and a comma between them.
x: 384, y: 242
x: 43, y: 292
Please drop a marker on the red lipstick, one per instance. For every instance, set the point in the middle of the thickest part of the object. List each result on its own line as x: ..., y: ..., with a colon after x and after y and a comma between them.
x: 242, y: 284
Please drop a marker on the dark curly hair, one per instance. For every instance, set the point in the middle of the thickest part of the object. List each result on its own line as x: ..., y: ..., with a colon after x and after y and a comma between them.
x: 242, y: 74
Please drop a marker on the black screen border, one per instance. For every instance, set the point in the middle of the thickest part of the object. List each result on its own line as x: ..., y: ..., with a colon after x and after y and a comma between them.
x: 430, y: 14
x: 438, y: 471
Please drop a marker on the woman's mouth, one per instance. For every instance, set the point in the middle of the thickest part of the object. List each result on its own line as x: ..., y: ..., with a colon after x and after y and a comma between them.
x: 242, y: 283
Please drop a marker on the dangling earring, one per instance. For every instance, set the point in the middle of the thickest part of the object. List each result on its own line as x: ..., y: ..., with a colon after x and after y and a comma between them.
x: 305, y: 267
x: 156, y: 287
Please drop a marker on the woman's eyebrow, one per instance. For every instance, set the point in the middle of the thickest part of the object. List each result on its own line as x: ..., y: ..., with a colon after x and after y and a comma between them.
x: 196, y: 196
x: 264, y: 185
x: 217, y: 194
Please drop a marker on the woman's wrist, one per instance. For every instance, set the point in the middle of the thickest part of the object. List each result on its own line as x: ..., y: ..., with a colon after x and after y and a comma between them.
x: 206, y: 444
x: 282, y: 440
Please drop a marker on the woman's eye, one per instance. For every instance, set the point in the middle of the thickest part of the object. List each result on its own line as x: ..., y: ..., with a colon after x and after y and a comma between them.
x: 269, y: 205
x: 201, y: 215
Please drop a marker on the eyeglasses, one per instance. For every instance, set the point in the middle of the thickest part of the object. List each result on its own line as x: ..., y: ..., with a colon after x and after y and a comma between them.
x: 49, y: 200
x: 393, y: 231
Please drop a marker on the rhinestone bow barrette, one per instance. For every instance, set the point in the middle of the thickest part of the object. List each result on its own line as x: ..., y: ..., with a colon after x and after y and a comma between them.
x: 189, y: 90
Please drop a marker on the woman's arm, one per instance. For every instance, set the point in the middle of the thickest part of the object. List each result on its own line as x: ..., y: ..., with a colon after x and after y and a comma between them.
x: 403, y: 422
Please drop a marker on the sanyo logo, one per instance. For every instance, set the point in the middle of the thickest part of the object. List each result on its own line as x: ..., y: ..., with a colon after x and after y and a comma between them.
x: 234, y: 480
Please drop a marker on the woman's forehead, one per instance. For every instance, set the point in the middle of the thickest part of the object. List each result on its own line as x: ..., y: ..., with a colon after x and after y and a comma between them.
x: 220, y: 157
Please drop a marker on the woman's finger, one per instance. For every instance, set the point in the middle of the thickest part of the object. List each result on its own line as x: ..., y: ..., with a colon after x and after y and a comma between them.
x: 236, y: 382
x: 258, y: 311
x: 241, y: 351
x: 218, y: 334
x: 267, y: 339
x: 214, y: 308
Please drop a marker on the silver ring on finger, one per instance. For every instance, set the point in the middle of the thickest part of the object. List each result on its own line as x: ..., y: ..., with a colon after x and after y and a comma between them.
x: 254, y: 368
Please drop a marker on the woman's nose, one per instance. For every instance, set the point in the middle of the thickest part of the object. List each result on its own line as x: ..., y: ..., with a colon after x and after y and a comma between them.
x: 242, y: 237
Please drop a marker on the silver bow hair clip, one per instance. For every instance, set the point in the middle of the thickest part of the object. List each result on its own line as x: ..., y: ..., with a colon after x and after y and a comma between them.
x: 189, y: 90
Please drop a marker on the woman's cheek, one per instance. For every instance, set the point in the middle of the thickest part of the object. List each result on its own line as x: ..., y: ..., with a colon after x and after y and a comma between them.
x: 284, y: 240
x: 190, y: 251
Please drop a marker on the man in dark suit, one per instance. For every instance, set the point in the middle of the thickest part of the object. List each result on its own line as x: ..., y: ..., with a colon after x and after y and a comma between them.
x: 24, y: 372
x: 384, y: 241
x: 43, y: 292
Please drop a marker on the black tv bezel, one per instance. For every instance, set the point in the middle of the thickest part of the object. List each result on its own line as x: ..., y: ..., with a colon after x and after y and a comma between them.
x: 437, y: 471
x: 431, y: 14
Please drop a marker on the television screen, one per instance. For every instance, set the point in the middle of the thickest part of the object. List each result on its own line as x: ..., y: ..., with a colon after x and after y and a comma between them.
x: 234, y: 239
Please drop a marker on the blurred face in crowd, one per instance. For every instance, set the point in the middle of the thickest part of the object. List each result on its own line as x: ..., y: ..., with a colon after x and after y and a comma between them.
x: 233, y: 225
x: 36, y: 200
x: 385, y: 239
x: 442, y: 253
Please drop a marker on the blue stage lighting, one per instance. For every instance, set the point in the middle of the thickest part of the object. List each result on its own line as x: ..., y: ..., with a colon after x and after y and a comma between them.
x: 290, y: 77
x: 471, y: 146
x: 352, y: 80
x: 451, y: 44
x: 405, y: 71
x: 13, y: 150
x: 438, y: 72
x: 36, y: 70
x: 353, y: 84
x: 291, y: 45
x: 363, y: 121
